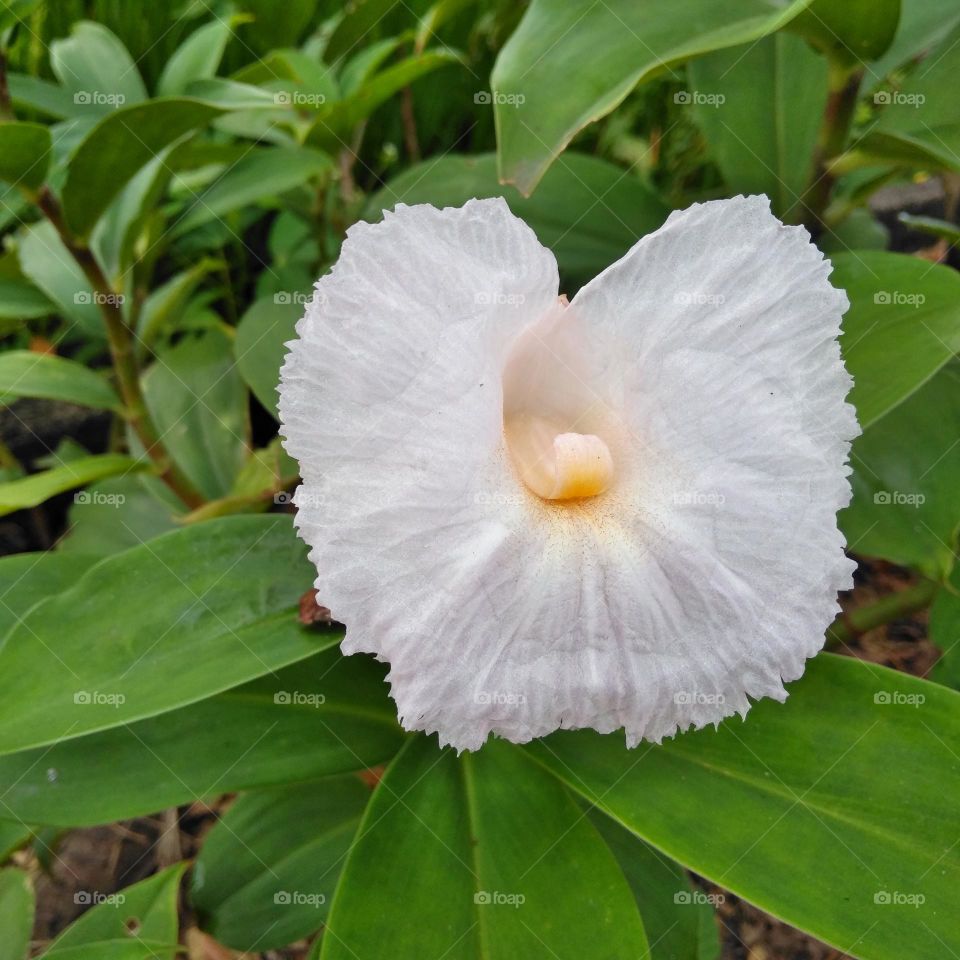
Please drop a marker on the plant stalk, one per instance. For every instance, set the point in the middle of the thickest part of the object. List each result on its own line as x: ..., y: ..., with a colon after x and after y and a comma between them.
x: 848, y: 626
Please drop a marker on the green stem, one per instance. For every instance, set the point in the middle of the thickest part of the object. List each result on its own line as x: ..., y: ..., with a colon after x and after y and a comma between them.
x: 120, y: 340
x: 844, y: 85
x: 849, y: 626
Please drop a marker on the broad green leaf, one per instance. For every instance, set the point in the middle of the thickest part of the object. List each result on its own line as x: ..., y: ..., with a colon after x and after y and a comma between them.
x: 357, y: 26
x: 197, y: 402
x: 219, y: 595
x: 47, y: 264
x: 144, y: 911
x: 906, y: 473
x: 903, y: 325
x: 260, y: 347
x: 853, y: 32
x: 24, y: 373
x: 24, y: 154
x: 123, y: 143
x: 20, y: 300
x: 117, y: 514
x: 259, y: 176
x: 16, y: 914
x: 13, y: 835
x: 676, y: 915
x: 326, y: 715
x: 506, y: 866
x: 32, y: 490
x: 365, y: 63
x: 332, y: 128
x: 922, y: 117
x: 760, y: 108
x: 96, y: 68
x: 267, y: 871
x: 197, y: 58
x: 588, y: 211
x: 858, y: 231
x: 944, y: 633
x: 41, y: 95
x: 166, y: 304
x: 115, y: 950
x: 923, y: 24
x: 15, y: 11
x: 815, y: 787
x: 571, y: 62
x: 27, y: 578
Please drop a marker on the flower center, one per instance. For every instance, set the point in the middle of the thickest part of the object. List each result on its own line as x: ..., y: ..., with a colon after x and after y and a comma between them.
x: 558, y: 465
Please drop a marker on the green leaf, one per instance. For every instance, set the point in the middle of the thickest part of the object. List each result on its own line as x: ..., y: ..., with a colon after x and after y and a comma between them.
x: 336, y: 121
x: 220, y: 596
x: 144, y: 911
x: 259, y: 176
x: 267, y: 871
x: 166, y: 304
x: 588, y: 211
x: 28, y: 578
x: 905, y: 481
x: 197, y: 58
x: 815, y: 787
x: 859, y: 231
x: 944, y: 633
x: 41, y: 95
x: 326, y: 715
x: 675, y: 914
x: 260, y: 347
x: 14, y: 11
x: 571, y: 62
x: 923, y: 24
x: 16, y: 914
x: 24, y: 373
x: 853, y: 32
x: 197, y: 402
x: 923, y: 116
x: 117, y: 514
x: 123, y: 143
x: 903, y: 325
x: 13, y: 836
x: 24, y: 154
x: 22, y: 301
x: 45, y: 261
x: 34, y: 489
x: 115, y: 950
x: 760, y: 108
x: 96, y: 68
x: 506, y: 866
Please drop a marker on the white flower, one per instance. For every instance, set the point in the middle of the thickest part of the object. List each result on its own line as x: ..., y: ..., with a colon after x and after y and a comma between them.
x: 619, y: 512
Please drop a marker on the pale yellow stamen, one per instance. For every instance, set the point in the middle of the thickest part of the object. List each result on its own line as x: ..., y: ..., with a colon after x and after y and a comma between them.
x: 558, y: 465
